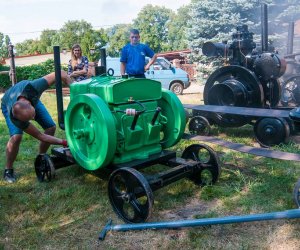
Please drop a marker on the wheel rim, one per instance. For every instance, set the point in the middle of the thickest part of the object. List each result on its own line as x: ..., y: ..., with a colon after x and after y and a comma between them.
x: 199, y: 125
x: 130, y: 195
x: 90, y: 131
x: 271, y: 131
x: 209, y: 164
x: 44, y: 168
x: 172, y: 109
x: 177, y: 88
x: 291, y: 91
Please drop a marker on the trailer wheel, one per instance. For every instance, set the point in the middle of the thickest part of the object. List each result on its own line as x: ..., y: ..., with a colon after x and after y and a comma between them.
x: 44, y: 168
x: 209, y: 164
x: 130, y: 195
x: 271, y: 131
x: 199, y: 125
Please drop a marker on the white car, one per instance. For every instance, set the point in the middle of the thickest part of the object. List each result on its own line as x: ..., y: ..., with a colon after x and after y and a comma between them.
x: 174, y: 79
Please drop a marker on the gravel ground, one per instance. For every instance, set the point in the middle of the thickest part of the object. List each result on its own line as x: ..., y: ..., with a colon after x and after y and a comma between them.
x: 194, y: 88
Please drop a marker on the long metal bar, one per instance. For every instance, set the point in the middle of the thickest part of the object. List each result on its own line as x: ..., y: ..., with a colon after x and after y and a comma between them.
x: 274, y: 154
x: 288, y: 214
x: 59, y: 96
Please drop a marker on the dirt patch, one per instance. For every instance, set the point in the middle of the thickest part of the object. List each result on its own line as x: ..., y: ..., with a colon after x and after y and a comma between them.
x: 192, y: 208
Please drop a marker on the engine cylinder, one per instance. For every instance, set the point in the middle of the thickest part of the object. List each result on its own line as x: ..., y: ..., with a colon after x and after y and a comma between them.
x: 268, y: 66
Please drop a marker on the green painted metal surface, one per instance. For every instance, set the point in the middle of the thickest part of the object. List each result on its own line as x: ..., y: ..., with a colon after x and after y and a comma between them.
x: 173, y: 119
x: 90, y: 131
x: 102, y: 125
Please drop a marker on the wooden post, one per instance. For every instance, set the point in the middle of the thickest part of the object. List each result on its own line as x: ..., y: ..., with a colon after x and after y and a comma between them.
x: 12, y: 73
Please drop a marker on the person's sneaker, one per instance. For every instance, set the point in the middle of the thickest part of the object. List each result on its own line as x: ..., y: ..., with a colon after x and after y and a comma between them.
x: 9, y: 176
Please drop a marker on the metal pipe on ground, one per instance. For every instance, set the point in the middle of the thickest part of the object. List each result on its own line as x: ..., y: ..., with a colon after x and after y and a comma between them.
x: 287, y: 214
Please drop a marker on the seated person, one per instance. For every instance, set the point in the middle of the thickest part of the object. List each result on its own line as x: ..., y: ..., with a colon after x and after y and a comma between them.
x: 78, y: 65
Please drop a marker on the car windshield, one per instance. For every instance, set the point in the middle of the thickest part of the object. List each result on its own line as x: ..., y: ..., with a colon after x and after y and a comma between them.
x: 160, y: 64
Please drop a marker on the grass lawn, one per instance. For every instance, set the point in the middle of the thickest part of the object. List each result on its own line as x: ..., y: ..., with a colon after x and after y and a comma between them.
x: 70, y: 211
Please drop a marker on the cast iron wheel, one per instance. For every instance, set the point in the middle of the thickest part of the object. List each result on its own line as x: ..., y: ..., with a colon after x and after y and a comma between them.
x: 199, y: 125
x: 130, y: 195
x: 209, y: 164
x: 296, y: 193
x: 271, y: 131
x: 290, y: 95
x: 44, y: 168
x: 177, y: 88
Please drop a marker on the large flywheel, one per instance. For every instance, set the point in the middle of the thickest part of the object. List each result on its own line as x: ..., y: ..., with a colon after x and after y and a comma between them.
x: 233, y: 86
x: 90, y: 131
x: 172, y: 117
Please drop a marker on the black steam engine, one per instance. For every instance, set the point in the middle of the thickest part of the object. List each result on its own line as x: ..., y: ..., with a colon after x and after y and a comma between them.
x: 247, y: 87
x: 250, y: 79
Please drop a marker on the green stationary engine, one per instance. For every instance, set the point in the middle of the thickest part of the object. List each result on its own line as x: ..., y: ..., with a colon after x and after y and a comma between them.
x: 117, y: 120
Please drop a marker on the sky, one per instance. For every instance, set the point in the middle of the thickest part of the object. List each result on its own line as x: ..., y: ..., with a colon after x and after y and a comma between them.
x: 25, y: 19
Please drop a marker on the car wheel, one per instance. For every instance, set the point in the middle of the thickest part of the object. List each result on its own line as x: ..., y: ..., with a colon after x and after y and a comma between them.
x: 177, y: 88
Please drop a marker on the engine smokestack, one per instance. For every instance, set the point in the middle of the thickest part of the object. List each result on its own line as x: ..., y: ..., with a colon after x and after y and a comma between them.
x: 264, y: 27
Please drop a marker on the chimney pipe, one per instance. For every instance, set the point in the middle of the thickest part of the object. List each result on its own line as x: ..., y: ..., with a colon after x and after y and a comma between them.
x: 264, y: 27
x: 290, y: 43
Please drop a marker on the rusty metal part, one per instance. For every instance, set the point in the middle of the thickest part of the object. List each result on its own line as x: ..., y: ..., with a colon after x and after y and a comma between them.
x: 247, y: 149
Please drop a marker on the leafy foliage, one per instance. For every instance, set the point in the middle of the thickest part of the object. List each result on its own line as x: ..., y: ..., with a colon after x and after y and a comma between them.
x: 152, y: 23
x: 215, y: 20
x: 177, y: 27
x: 93, y: 40
x: 4, y: 42
x: 28, y: 72
x: 118, y: 36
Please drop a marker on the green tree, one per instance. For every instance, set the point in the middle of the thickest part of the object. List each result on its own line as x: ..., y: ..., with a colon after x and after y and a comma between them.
x: 152, y: 22
x: 4, y: 42
x: 216, y: 20
x: 177, y: 28
x: 46, y: 41
x: 118, y: 36
x: 72, y: 32
x: 28, y: 47
x: 93, y: 40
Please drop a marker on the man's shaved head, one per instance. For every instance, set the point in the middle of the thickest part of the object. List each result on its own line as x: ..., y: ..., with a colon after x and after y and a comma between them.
x: 23, y: 111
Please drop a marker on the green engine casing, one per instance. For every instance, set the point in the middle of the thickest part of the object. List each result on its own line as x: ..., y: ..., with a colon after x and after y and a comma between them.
x: 98, y: 120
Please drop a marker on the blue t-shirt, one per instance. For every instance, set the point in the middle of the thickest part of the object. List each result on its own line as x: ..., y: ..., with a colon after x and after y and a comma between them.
x: 134, y: 57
